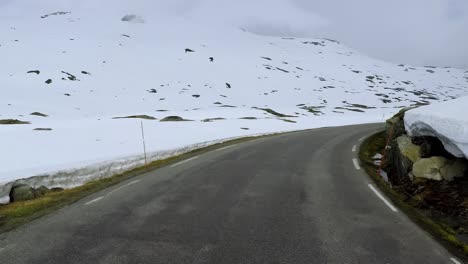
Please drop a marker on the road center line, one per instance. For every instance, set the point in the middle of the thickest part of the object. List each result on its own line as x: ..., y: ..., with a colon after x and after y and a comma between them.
x: 121, y: 187
x: 225, y: 148
x: 354, y: 148
x: 95, y: 200
x: 382, y: 198
x: 455, y: 261
x: 356, y: 164
x: 361, y: 139
x: 182, y: 162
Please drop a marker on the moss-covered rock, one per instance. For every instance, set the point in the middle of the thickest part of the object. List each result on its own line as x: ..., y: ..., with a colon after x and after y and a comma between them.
x: 22, y: 192
x: 430, y: 168
x: 402, y: 155
x: 455, y: 169
x: 42, y: 190
x: 408, y: 149
x: 396, y: 124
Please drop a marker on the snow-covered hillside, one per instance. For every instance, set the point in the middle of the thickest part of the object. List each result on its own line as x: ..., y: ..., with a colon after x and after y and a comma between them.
x: 79, y: 66
x: 447, y: 121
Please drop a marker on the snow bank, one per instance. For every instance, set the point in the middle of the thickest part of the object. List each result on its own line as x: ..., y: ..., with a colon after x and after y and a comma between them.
x: 447, y: 121
x: 71, y: 178
x: 65, y: 159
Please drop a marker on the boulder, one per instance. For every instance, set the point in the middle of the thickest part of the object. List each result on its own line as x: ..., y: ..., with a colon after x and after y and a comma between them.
x: 408, y: 149
x: 454, y: 169
x: 395, y: 126
x: 22, y: 192
x: 402, y: 155
x: 430, y: 168
x: 439, y: 168
x: 42, y: 190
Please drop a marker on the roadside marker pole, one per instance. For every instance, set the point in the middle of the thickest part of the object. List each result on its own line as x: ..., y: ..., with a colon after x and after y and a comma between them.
x: 385, y: 151
x: 144, y: 144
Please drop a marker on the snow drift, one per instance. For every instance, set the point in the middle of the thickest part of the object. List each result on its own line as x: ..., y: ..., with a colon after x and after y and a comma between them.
x: 448, y: 121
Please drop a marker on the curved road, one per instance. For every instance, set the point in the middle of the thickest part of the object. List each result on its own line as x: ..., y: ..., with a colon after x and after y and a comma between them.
x: 293, y: 198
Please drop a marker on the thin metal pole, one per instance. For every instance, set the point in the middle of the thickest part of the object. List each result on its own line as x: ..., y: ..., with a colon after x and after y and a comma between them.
x: 144, y: 144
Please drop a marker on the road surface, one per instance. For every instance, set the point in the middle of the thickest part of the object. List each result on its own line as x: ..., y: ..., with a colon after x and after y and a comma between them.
x: 293, y: 198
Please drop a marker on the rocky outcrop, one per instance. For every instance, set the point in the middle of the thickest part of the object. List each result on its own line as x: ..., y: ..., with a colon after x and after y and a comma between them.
x: 23, y: 192
x: 403, y: 153
x: 418, y: 157
x: 395, y: 126
x: 408, y: 149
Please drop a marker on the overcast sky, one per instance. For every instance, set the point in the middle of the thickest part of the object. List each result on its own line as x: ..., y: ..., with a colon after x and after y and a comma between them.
x: 421, y: 32
x: 414, y: 31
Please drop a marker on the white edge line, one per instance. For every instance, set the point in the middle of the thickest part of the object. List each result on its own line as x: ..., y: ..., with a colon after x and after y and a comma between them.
x: 455, y: 261
x: 361, y: 139
x: 354, y: 148
x: 382, y: 198
x: 356, y: 164
x: 95, y: 200
x: 182, y: 162
x: 225, y: 148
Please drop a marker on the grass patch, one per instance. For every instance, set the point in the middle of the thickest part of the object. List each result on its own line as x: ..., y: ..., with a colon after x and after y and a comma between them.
x: 213, y: 119
x: 16, y: 214
x: 173, y: 119
x: 349, y: 109
x: 287, y: 120
x: 440, y: 231
x: 273, y: 112
x: 13, y: 122
x: 361, y: 106
x: 316, y: 110
x: 147, y: 117
x: 39, y: 114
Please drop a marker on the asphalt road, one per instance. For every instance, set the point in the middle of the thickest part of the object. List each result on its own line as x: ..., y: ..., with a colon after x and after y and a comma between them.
x: 293, y: 198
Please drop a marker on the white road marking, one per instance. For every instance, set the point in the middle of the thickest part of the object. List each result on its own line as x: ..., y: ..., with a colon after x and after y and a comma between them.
x: 95, y: 200
x: 121, y: 187
x: 382, y: 198
x: 354, y: 148
x: 133, y: 182
x: 6, y: 248
x: 182, y: 162
x: 225, y: 148
x: 361, y: 139
x: 356, y: 164
x: 455, y: 261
